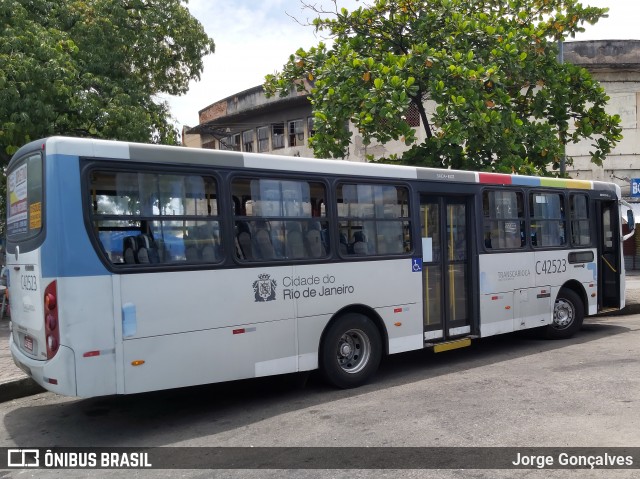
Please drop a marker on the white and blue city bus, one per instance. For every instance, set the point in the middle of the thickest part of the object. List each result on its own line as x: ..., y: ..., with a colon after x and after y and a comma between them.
x: 140, y: 267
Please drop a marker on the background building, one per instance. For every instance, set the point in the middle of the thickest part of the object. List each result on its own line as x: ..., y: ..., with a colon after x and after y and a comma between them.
x: 249, y: 121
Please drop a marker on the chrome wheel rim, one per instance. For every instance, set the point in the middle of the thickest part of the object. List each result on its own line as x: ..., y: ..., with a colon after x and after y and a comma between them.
x: 354, y: 350
x: 563, y: 314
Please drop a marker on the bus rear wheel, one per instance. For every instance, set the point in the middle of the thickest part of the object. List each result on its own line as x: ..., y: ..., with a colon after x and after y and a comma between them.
x: 568, y: 315
x: 350, y: 352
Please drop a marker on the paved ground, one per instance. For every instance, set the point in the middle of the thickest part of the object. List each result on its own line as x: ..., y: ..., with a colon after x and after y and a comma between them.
x: 14, y: 383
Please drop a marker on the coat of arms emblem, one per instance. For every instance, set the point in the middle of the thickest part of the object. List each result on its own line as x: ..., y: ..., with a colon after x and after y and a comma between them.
x: 264, y: 288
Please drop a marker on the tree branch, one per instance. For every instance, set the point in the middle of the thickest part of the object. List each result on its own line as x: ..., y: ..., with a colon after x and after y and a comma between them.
x: 417, y: 101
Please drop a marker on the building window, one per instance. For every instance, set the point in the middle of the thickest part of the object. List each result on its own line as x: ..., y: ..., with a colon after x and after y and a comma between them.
x: 310, y: 127
x: 412, y: 116
x: 247, y: 140
x: 503, y: 213
x: 277, y: 136
x: 296, y: 133
x: 547, y: 219
x: 231, y: 143
x: 263, y: 139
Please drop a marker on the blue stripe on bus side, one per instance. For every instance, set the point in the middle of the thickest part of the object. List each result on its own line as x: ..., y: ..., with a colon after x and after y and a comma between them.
x: 66, y: 250
x: 525, y: 180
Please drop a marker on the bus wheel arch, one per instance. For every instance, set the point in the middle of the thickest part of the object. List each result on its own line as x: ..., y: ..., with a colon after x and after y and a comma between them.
x: 568, y: 312
x: 351, y: 347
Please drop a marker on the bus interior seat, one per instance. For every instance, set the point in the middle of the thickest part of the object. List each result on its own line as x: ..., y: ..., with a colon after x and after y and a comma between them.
x: 147, y: 251
x: 295, y: 243
x: 344, y: 244
x: 191, y: 249
x: 395, y: 243
x: 382, y: 245
x: 278, y: 234
x: 202, y: 246
x: 512, y: 240
x: 191, y: 245
x: 263, y: 241
x: 243, y: 237
x: 209, y: 253
x: 315, y: 244
x: 129, y: 249
x: 207, y: 243
x: 360, y: 243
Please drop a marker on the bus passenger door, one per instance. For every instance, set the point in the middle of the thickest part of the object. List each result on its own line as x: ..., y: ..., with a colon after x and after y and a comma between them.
x: 609, y: 245
x: 446, y: 236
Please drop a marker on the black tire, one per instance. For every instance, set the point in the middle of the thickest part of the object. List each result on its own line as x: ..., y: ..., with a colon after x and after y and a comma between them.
x: 568, y: 315
x: 350, y: 352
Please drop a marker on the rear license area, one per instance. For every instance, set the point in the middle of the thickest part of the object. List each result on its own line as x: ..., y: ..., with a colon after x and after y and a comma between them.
x: 28, y: 343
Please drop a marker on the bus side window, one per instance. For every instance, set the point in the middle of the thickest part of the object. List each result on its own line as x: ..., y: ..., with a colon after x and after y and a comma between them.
x: 373, y: 219
x: 155, y: 218
x: 276, y: 221
x: 503, y: 219
x: 547, y: 218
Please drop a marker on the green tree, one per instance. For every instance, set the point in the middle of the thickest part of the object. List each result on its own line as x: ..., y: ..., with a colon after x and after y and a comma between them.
x: 503, y: 102
x: 94, y: 68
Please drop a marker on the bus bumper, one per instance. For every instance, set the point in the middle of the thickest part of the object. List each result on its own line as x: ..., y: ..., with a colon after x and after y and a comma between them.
x: 57, y: 375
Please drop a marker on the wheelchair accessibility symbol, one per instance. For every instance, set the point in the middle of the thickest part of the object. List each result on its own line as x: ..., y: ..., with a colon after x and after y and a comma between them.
x: 416, y: 265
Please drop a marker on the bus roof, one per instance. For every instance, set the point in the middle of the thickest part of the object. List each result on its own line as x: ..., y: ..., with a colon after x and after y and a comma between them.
x: 150, y: 153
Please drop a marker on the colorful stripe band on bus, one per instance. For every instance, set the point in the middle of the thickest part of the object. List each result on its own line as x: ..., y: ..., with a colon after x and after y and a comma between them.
x: 504, y: 179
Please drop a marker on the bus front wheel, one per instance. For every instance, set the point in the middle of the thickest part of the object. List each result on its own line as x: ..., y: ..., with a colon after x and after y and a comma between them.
x: 351, y: 351
x: 568, y: 314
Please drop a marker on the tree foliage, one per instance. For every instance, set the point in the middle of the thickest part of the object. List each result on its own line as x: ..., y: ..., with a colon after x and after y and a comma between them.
x: 502, y: 100
x: 94, y: 68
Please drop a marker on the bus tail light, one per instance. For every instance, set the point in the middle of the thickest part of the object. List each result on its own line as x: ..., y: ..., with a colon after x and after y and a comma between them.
x: 51, y: 329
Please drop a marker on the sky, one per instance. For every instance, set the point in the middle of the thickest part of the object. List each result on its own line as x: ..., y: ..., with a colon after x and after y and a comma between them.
x: 255, y: 37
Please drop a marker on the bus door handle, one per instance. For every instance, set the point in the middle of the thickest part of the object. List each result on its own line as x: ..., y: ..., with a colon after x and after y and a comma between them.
x: 16, y: 268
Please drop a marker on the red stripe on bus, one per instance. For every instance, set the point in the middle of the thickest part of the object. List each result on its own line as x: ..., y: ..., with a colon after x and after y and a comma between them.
x: 495, y: 178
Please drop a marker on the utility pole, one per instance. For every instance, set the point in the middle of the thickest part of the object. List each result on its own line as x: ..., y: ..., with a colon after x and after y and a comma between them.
x: 563, y: 157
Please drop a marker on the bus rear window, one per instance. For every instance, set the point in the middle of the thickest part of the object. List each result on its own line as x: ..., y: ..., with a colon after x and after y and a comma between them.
x: 24, y: 199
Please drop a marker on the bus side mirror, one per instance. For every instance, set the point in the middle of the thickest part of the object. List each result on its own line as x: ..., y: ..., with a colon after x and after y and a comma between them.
x: 631, y: 221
